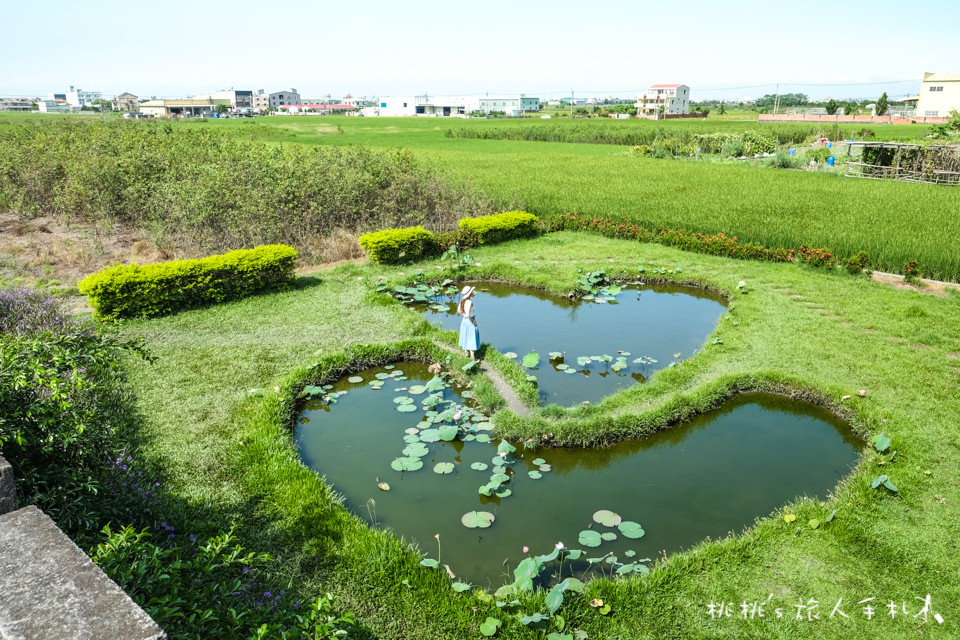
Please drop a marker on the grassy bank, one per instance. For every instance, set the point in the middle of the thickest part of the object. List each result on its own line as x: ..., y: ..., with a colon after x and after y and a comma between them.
x: 228, y: 452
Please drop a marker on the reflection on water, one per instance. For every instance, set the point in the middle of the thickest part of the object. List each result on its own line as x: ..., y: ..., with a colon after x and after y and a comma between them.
x: 705, y: 478
x: 656, y: 325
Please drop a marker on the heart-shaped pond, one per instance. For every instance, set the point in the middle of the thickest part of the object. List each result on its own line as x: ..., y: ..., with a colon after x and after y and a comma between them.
x: 588, y: 349
x: 705, y: 478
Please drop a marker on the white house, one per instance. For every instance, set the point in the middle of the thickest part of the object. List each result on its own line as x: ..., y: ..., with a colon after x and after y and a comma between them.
x: 52, y: 106
x: 671, y: 98
x: 939, y: 94
x: 239, y: 99
x: 81, y: 98
x: 453, y: 106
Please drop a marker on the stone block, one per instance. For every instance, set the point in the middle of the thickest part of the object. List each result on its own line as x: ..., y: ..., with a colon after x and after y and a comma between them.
x: 50, y: 589
x: 8, y: 488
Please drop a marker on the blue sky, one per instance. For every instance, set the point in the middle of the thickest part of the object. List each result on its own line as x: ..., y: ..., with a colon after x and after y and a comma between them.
x: 840, y: 48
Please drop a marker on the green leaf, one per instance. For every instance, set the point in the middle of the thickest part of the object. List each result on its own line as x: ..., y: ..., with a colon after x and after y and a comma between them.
x: 555, y: 354
x: 889, y: 485
x: 461, y: 586
x: 354, y: 379
x: 607, y: 518
x: 608, y: 536
x: 533, y: 619
x: 538, y: 461
x: 443, y: 468
x: 583, y: 360
x: 814, y: 523
x: 832, y: 515
x: 477, y: 519
x: 589, y: 538
x: 436, y: 384
x: 490, y: 626
x: 562, y: 367
x: 506, y: 493
x: 510, y: 354
x: 416, y: 450
x: 531, y: 360
x: 430, y: 435
x: 499, y: 478
x: 631, y: 529
x: 554, y: 599
x: 528, y: 568
x: 406, y: 464
x: 406, y: 408
x: 878, y: 481
x: 619, y: 365
x: 505, y: 447
x: 417, y: 389
x: 470, y: 365
x: 447, y: 433
x: 556, y: 635
x: 534, y: 475
x: 403, y: 400
x: 430, y: 562
x: 881, y: 442
x: 479, y: 466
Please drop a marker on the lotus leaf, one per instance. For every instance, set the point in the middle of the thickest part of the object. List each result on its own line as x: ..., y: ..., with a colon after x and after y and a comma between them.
x: 630, y: 553
x: 389, y: 366
x: 534, y: 619
x: 477, y: 519
x: 406, y: 408
x: 490, y: 626
x: 534, y: 475
x: 382, y: 376
x: 470, y: 365
x: 881, y: 442
x: 528, y: 568
x: 447, y: 433
x: 607, y: 518
x: 406, y: 464
x: 545, y: 467
x: 631, y: 529
x: 570, y: 370
x: 410, y: 438
x: 506, y: 493
x: 416, y: 450
x: 499, y: 478
x: 531, y: 360
x: 499, y: 468
x: 555, y: 354
x: 430, y: 562
x: 583, y: 361
x: 538, y: 461
x: 590, y: 538
x: 482, y: 437
x: 461, y: 586
x: 436, y: 384
x: 443, y: 468
x: 328, y: 386
x: 354, y: 379
x: 510, y: 354
x: 562, y: 367
x: 505, y: 447
x: 417, y: 389
x: 430, y: 435
x: 403, y: 400
x: 608, y: 536
x: 411, y: 431
x: 383, y: 486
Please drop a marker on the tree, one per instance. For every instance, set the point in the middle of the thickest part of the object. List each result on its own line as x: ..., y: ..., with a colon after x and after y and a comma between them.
x: 832, y: 107
x: 222, y: 109
x: 722, y: 110
x: 103, y: 105
x: 882, y: 105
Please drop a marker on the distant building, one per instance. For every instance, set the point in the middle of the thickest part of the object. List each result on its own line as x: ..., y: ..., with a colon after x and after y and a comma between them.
x: 15, y: 104
x: 81, y: 98
x: 53, y: 106
x: 126, y: 102
x: 189, y: 107
x: 236, y: 99
x: 939, y: 94
x: 58, y: 97
x: 318, y: 108
x: 260, y: 101
x: 664, y: 98
x: 284, y: 98
x: 452, y: 106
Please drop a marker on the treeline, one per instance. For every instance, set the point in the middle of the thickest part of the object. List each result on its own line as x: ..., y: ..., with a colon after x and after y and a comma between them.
x: 629, y: 134
x: 209, y: 191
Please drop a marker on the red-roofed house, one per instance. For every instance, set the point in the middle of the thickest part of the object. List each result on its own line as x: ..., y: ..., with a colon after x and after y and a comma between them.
x: 664, y: 98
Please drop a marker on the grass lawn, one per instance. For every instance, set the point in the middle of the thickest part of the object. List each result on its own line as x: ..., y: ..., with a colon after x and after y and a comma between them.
x: 228, y: 454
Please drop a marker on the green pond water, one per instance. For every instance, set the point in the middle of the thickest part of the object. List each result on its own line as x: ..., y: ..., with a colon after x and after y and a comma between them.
x: 648, y: 326
x: 702, y: 479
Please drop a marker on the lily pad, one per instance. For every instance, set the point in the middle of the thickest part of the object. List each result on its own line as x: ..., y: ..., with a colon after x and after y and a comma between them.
x: 417, y: 389
x: 443, y: 468
x: 555, y: 354
x: 570, y: 370
x: 534, y: 475
x: 562, y: 367
x: 430, y: 435
x: 416, y: 450
x: 477, y: 519
x: 504, y: 493
x: 406, y: 408
x: 381, y: 376
x: 531, y: 360
x: 447, y: 433
x: 461, y: 586
x: 383, y: 486
x: 790, y: 517
x: 406, y: 464
x: 607, y: 518
x: 538, y: 461
x: 608, y: 536
x: 490, y: 627
x: 505, y: 447
x: 411, y: 431
x: 354, y: 379
x: 631, y: 529
x: 589, y: 538
x: 510, y: 354
x: 545, y: 467
x: 483, y: 437
x: 499, y: 478
x: 403, y: 400
x: 410, y: 438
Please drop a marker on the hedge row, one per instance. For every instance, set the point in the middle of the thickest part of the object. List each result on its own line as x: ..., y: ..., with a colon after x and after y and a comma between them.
x: 718, y: 245
x: 156, y: 289
x: 392, y: 246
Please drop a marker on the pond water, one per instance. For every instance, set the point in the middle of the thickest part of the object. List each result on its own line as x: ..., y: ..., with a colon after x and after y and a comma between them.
x: 705, y: 478
x: 644, y: 327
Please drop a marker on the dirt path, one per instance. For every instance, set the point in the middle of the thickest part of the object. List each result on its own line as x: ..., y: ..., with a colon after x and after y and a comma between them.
x: 505, y: 390
x: 930, y: 287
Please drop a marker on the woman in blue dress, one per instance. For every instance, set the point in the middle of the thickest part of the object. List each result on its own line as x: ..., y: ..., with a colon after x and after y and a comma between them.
x: 469, y: 333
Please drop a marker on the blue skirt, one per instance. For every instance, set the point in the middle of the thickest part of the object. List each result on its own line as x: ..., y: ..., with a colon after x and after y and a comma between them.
x: 469, y: 335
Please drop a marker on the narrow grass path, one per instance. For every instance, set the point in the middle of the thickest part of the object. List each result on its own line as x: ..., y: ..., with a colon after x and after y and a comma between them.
x: 802, y: 332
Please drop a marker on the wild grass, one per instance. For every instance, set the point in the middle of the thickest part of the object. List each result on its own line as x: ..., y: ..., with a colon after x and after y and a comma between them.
x: 803, y: 332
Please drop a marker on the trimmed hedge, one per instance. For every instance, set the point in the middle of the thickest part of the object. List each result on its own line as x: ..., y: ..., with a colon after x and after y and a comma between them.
x: 392, y: 246
x: 501, y: 227
x: 157, y: 289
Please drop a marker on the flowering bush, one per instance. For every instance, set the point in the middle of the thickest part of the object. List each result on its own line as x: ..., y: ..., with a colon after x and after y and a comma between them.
x: 63, y: 402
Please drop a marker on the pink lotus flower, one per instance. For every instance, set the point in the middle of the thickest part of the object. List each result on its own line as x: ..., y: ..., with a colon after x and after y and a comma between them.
x: 559, y: 545
x: 526, y: 549
x: 457, y: 415
x: 503, y: 455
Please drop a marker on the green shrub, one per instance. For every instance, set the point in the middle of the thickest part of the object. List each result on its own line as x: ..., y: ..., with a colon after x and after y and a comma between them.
x: 64, y: 406
x: 157, y: 289
x: 392, y: 246
x: 501, y: 227
x: 732, y: 148
x: 212, y: 590
x: 783, y: 160
x: 857, y: 263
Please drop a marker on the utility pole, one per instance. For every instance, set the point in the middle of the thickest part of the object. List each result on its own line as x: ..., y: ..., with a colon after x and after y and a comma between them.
x: 776, y: 99
x: 571, y: 103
